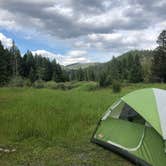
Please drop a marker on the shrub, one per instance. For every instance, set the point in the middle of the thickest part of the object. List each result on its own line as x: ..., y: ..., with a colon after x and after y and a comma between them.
x: 64, y: 86
x: 38, y: 84
x: 90, y: 86
x: 69, y: 86
x: 51, y: 85
x: 76, y: 84
x: 116, y: 86
x: 17, y: 82
x: 61, y: 86
x: 27, y: 82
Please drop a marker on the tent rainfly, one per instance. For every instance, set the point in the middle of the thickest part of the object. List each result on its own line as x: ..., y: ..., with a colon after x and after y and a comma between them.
x: 135, y: 127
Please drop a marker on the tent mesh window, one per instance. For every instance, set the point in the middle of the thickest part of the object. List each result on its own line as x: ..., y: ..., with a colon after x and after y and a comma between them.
x: 131, y: 115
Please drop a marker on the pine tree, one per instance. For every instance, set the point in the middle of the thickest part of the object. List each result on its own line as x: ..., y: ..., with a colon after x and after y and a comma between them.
x: 47, y: 69
x: 3, y: 66
x: 159, y: 65
x: 57, y: 72
x: 136, y: 71
x: 102, y: 80
x: 80, y: 74
x: 32, y: 75
x: 54, y: 73
x: 159, y: 59
x: 115, y: 69
x: 162, y: 39
x: 16, y: 60
x: 124, y: 69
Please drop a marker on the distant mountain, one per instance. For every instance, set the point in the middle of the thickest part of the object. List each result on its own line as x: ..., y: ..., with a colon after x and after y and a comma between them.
x: 145, y: 58
x: 76, y: 66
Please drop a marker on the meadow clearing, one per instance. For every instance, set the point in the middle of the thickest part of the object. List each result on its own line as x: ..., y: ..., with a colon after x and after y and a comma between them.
x: 50, y: 127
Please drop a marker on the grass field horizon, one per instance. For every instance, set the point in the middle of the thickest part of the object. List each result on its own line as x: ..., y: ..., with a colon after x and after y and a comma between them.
x: 53, y: 127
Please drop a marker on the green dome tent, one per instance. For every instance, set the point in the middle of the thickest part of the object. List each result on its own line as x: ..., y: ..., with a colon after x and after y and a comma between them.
x: 135, y: 127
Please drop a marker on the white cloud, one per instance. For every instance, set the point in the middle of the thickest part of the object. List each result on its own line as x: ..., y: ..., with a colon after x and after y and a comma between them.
x: 77, y: 53
x: 7, y: 42
x: 48, y: 54
x: 74, y: 56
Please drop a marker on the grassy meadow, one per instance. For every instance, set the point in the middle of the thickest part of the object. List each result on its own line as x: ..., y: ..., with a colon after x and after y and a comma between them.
x: 50, y: 127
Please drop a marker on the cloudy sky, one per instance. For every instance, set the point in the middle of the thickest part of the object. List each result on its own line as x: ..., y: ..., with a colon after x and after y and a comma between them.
x: 81, y: 30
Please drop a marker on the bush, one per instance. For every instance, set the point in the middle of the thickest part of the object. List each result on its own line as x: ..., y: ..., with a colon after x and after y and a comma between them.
x: 116, y: 86
x: 27, y: 83
x: 17, y: 82
x: 90, y: 86
x: 38, y: 84
x: 61, y: 86
x: 64, y: 86
x: 51, y: 85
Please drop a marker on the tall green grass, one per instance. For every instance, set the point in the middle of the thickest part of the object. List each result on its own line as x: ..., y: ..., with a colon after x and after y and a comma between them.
x: 51, y: 114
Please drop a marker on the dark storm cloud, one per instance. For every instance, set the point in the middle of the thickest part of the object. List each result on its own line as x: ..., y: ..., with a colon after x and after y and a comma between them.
x: 72, y: 18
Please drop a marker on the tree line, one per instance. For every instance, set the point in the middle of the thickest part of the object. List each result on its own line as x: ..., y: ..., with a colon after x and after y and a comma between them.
x: 29, y: 66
